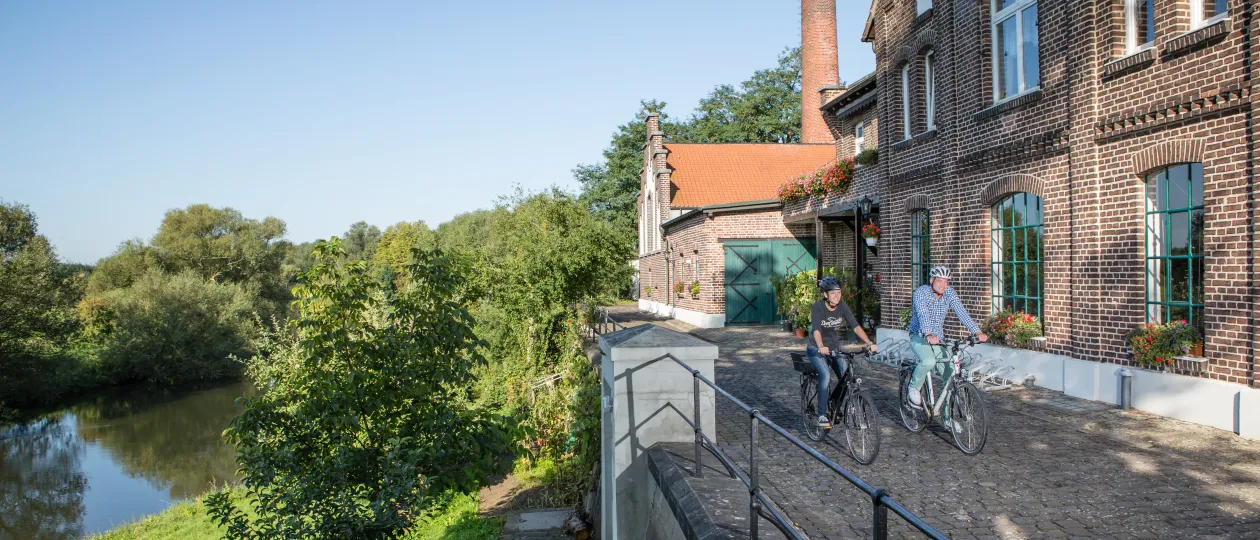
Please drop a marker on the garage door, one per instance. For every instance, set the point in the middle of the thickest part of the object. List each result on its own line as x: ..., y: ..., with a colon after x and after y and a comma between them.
x: 749, y: 267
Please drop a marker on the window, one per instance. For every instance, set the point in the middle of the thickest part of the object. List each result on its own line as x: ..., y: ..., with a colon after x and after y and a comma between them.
x: 1174, y: 244
x: 1204, y: 12
x: 1139, y: 25
x: 859, y: 137
x: 920, y: 248
x: 1016, y: 253
x: 924, y: 5
x: 929, y: 88
x: 1016, y: 60
x: 905, y: 101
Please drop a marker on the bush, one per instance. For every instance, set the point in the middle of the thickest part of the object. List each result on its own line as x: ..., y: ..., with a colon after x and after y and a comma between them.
x: 174, y: 328
x: 904, y: 316
x: 870, y: 156
x: 363, y: 410
x: 1155, y: 344
x: 1016, y: 328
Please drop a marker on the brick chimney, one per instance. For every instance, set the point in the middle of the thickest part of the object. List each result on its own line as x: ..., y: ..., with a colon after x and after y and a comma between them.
x: 819, y: 66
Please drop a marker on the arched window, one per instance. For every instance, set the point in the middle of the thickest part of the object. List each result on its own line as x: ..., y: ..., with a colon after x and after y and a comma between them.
x: 929, y: 88
x: 1016, y: 254
x: 905, y: 101
x: 1174, y: 244
x: 920, y: 248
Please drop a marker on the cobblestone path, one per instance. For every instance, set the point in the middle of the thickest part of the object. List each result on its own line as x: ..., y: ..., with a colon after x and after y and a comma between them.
x: 1047, y: 472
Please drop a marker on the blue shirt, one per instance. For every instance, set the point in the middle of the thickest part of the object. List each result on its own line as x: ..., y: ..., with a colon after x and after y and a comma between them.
x: 928, y: 312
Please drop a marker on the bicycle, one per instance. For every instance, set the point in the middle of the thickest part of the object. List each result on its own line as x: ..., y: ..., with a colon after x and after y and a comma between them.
x: 966, y: 403
x: 847, y: 405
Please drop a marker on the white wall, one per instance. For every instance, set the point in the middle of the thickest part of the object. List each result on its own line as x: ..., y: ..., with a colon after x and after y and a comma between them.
x: 695, y: 318
x: 1222, y: 405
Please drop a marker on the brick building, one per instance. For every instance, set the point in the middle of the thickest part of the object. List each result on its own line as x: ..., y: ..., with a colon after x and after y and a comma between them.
x: 1091, y: 162
x: 709, y: 213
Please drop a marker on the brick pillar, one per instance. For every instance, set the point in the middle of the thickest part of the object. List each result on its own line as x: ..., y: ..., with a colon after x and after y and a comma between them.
x: 819, y: 66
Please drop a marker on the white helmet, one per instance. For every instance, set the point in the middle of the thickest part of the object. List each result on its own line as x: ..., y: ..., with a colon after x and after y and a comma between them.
x: 939, y: 272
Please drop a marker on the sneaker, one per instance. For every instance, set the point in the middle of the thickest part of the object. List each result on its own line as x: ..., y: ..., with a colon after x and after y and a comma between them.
x: 824, y: 423
x: 915, y: 398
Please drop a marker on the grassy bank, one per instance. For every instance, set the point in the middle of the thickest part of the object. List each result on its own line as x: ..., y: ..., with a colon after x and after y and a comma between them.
x: 456, y: 520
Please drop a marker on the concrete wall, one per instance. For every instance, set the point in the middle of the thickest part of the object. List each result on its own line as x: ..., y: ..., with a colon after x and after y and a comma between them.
x: 1222, y: 405
x: 702, y: 320
x: 646, y: 400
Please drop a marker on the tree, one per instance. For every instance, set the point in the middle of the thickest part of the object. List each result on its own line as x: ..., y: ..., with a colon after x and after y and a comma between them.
x: 131, y: 260
x: 765, y: 108
x: 360, y: 240
x: 361, y: 414
x: 221, y: 245
x: 393, y: 250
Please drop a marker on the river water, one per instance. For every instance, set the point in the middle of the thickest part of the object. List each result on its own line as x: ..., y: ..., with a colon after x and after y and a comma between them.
x: 114, y: 457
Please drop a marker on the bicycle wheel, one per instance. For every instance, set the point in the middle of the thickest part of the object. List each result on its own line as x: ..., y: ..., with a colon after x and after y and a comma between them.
x: 966, y: 407
x: 809, y: 409
x: 914, y: 418
x: 861, y: 428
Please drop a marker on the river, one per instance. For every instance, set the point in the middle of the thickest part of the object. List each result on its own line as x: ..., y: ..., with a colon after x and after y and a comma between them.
x: 113, y: 457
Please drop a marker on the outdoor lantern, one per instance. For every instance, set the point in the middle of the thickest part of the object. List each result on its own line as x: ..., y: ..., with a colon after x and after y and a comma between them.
x: 865, y: 204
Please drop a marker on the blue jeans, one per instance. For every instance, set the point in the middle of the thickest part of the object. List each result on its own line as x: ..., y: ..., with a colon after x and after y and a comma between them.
x: 824, y: 373
x: 930, y: 357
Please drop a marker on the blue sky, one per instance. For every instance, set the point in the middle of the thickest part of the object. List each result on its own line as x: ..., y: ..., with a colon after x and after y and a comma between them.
x: 326, y: 113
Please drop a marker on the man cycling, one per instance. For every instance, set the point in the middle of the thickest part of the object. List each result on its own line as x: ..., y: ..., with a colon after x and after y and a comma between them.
x: 828, y: 316
x: 930, y: 304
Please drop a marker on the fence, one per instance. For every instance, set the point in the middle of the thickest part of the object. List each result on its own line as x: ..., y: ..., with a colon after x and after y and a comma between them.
x: 758, y: 505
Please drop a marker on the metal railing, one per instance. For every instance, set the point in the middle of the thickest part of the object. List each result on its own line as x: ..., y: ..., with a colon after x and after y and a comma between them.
x: 599, y: 323
x: 758, y: 504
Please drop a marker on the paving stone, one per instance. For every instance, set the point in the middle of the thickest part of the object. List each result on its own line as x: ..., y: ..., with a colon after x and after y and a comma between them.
x: 1038, y: 466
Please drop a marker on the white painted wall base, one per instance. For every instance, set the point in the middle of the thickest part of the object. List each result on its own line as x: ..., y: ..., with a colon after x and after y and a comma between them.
x: 695, y: 318
x: 1221, y: 405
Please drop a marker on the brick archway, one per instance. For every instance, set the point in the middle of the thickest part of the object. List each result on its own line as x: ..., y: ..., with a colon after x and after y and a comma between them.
x: 917, y: 202
x: 1014, y: 183
x: 1167, y: 153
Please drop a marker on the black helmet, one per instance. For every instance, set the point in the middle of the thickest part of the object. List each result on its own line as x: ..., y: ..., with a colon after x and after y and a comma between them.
x: 828, y: 284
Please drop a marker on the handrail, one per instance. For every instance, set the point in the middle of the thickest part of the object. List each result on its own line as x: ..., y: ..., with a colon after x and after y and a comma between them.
x: 758, y: 504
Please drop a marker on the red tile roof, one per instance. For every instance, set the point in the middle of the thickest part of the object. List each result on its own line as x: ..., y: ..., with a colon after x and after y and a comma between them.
x: 705, y: 174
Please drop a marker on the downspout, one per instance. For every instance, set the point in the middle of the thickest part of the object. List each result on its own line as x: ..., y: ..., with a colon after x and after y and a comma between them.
x: 1248, y: 77
x: 1067, y: 58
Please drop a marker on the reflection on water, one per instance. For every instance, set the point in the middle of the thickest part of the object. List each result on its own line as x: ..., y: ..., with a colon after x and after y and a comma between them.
x: 112, y: 458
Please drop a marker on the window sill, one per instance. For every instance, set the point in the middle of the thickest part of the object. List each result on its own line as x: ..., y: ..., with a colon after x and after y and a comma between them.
x: 1138, y: 60
x: 902, y: 144
x: 1202, y: 37
x: 1010, y: 104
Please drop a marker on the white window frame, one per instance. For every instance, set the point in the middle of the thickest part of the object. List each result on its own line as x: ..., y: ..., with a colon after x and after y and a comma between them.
x: 1131, y: 25
x: 1014, y: 10
x: 905, y: 101
x: 859, y: 138
x: 923, y: 6
x: 929, y: 88
x: 1196, y: 14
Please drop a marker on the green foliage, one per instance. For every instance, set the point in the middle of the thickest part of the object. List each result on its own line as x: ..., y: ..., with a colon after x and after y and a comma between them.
x: 1016, y: 328
x: 393, y: 250
x: 1156, y: 344
x: 186, y: 520
x: 695, y: 288
x: 38, y: 361
x: 456, y: 518
x: 131, y: 260
x: 221, y: 245
x: 173, y: 328
x: 904, y: 317
x: 870, y: 156
x: 795, y: 295
x: 363, y: 409
x: 360, y: 240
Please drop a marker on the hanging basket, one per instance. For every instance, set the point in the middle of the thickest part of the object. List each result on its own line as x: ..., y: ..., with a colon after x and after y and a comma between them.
x: 872, y: 241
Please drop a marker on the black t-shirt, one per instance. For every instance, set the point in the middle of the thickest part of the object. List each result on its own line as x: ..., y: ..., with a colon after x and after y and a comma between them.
x: 830, y: 322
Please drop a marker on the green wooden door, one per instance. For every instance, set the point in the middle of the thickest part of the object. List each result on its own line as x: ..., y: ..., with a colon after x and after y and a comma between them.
x: 749, y: 266
x: 749, y: 297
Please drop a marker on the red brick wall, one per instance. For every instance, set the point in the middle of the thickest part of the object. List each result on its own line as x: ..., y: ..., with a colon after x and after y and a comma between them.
x: 819, y: 65
x: 1076, y: 143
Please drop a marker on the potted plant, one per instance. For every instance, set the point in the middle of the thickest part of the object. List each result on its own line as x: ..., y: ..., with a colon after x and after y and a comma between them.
x: 1157, y: 344
x: 647, y: 291
x: 802, y: 322
x: 870, y: 232
x: 695, y: 289
x: 904, y: 317
x: 870, y: 156
x: 1014, y: 328
x: 678, y: 288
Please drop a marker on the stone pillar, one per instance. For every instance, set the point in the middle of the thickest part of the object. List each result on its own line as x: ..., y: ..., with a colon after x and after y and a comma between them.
x: 646, y: 400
